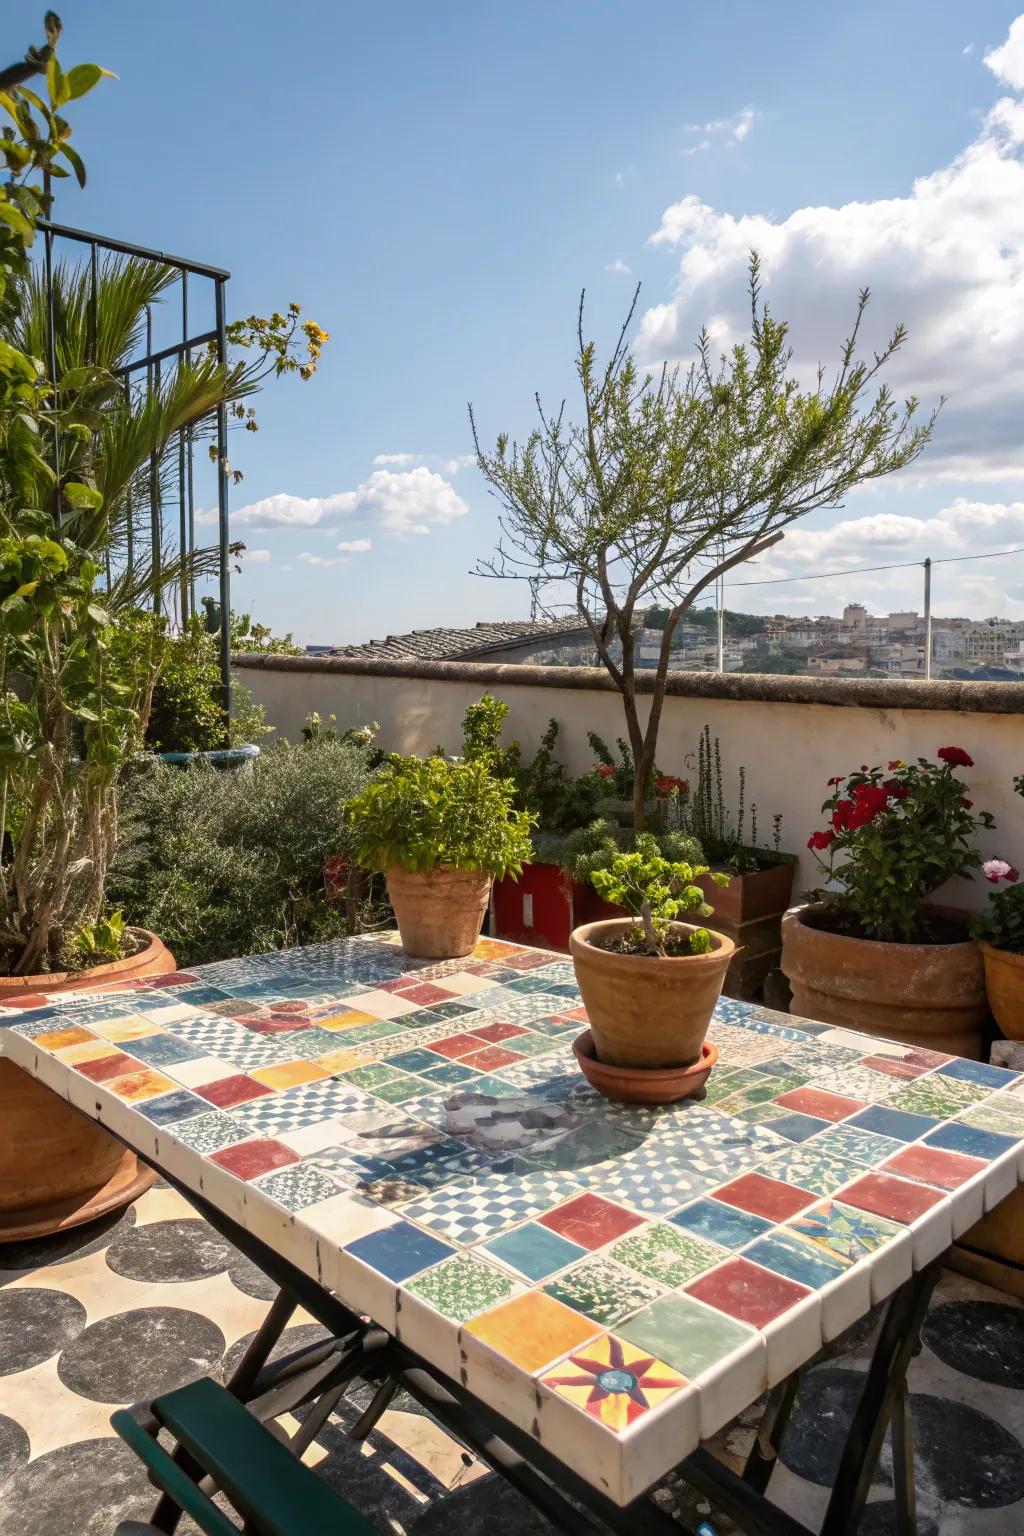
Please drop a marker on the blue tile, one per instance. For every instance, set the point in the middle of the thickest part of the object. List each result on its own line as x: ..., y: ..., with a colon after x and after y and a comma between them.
x: 893, y: 1122
x: 797, y: 1127
x: 788, y: 1255
x: 416, y: 1060
x: 170, y: 1107
x: 448, y: 1073
x: 163, y: 1050
x: 978, y: 1072
x: 399, y: 1252
x: 954, y: 1137
x: 534, y: 1251
x: 722, y: 1224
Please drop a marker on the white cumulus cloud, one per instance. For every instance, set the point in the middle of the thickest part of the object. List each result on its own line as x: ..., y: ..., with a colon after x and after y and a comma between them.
x: 356, y: 546
x: 321, y: 560
x: 946, y: 258
x: 449, y: 466
x: 256, y: 556
x: 722, y: 130
x: 618, y: 266
x: 399, y: 502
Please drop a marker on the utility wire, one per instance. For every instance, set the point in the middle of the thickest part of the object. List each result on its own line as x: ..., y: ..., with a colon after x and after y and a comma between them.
x: 863, y: 570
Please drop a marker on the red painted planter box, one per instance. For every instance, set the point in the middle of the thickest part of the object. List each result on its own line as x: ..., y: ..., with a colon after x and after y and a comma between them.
x: 535, y: 909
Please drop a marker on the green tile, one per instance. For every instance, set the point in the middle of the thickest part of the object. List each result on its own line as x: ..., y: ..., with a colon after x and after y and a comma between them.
x: 463, y: 1286
x: 937, y: 1095
x: 399, y: 1089
x: 687, y: 1336
x: 534, y: 1045
x: 603, y: 1290
x: 373, y: 1075
x: 1003, y: 1113
x: 666, y: 1254
x: 761, y: 1114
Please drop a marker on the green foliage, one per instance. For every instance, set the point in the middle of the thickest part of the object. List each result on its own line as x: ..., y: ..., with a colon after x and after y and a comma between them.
x: 99, y: 942
x: 1002, y: 922
x: 252, y: 639
x: 659, y: 893
x: 428, y: 813
x: 722, y: 836
x: 315, y: 728
x: 668, y: 479
x: 224, y: 864
x: 186, y: 714
x: 894, y: 836
x: 542, y: 783
x: 595, y: 847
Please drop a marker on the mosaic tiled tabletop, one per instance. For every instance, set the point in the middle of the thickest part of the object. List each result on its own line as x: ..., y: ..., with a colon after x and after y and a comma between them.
x: 618, y: 1281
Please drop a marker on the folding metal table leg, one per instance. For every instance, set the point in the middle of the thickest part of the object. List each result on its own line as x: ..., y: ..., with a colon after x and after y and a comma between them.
x: 903, y: 1465
x: 764, y: 1453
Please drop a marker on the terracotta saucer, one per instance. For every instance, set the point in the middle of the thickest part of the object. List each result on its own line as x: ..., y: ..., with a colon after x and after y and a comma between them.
x: 644, y: 1085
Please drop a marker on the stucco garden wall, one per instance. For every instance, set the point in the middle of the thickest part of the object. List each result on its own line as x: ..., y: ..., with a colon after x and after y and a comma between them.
x: 791, y: 734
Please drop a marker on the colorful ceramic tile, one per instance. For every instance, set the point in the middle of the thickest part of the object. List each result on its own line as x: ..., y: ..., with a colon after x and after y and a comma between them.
x: 603, y: 1290
x: 100, y: 1069
x: 763, y: 1196
x: 59, y: 1039
x: 534, y: 1251
x: 821, y: 1104
x: 946, y: 1170
x: 865, y: 1147
x: 463, y: 1286
x: 936, y: 1095
x: 399, y: 1251
x: 856, y: 1082
x: 136, y: 1086
x: 790, y: 1255
x: 297, y: 1187
x: 590, y: 1220
x: 304, y: 1105
x: 210, y: 1132
x: 248, y: 1159
x: 229, y: 1092
x: 970, y: 1140
x: 162, y: 1050
x: 1003, y: 1112
x: 895, y: 1199
x: 797, y: 1127
x: 171, y: 1108
x: 842, y: 1231
x: 613, y: 1381
x: 690, y: 1337
x: 495, y: 1034
x: 725, y: 1225
x: 469, y: 1210
x: 821, y: 1172
x: 747, y: 1292
x: 897, y: 1125
x: 531, y: 1330
x: 666, y: 1253
x: 979, y: 1072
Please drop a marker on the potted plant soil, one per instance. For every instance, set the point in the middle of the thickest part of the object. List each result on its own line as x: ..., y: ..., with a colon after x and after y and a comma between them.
x: 649, y: 981
x: 441, y: 831
x: 869, y: 950
x: 999, y: 931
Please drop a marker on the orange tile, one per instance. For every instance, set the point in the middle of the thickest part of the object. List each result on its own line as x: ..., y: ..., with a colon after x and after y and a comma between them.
x: 59, y: 1039
x: 492, y: 949
x: 339, y: 1061
x: 346, y: 1020
x: 532, y: 1330
x: 287, y: 1074
x: 135, y: 1086
x: 132, y: 1027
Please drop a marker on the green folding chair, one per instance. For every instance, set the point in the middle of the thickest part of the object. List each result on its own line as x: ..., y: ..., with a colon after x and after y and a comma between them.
x: 271, y: 1490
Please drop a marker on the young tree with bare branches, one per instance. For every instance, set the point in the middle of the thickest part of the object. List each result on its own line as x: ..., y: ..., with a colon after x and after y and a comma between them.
x: 670, y: 479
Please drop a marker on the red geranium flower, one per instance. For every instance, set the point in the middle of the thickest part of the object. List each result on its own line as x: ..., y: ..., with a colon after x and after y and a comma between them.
x: 605, y: 771
x: 1013, y: 876
x: 966, y: 803
x: 841, y: 815
x: 956, y: 757
x: 818, y: 840
x: 897, y: 762
x: 837, y: 779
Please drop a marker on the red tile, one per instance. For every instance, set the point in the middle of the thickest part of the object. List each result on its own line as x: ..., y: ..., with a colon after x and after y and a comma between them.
x: 103, y: 1068
x: 489, y: 1059
x: 425, y: 993
x: 228, y: 1091
x: 815, y: 1101
x: 883, y: 1195
x: 747, y: 1292
x: 765, y: 1197
x: 291, y: 1005
x: 396, y: 985
x: 528, y: 960
x: 27, y: 1000
x: 248, y: 1159
x: 574, y: 1013
x: 455, y: 1045
x: 892, y: 1066
x: 274, y: 1023
x: 932, y: 1165
x: 590, y: 1221
x: 495, y: 1032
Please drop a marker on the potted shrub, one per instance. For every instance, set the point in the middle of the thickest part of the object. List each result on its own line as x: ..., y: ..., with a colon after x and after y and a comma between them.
x: 650, y: 981
x: 440, y: 830
x: 869, y: 950
x: 999, y: 931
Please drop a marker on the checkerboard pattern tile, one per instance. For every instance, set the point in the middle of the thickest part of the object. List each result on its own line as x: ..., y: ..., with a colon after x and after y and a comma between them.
x: 418, y: 1137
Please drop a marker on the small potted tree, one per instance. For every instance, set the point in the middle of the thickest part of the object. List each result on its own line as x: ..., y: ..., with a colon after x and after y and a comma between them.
x: 441, y: 831
x: 999, y: 931
x: 649, y: 981
x: 870, y: 950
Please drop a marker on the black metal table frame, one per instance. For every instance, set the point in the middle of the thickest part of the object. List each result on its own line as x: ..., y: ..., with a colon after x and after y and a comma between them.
x: 359, y: 1349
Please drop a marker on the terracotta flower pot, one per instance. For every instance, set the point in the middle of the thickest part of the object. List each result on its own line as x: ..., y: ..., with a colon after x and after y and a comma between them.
x: 930, y: 995
x: 439, y: 911
x: 1004, y: 983
x: 57, y: 1167
x: 645, y: 1011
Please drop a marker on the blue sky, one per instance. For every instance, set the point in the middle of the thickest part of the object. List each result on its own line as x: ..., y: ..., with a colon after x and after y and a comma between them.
x: 435, y: 183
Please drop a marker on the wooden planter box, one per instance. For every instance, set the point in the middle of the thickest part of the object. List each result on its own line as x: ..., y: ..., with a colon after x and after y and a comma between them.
x: 545, y: 905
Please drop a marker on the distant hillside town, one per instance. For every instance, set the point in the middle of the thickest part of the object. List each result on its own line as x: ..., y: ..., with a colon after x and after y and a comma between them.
x: 859, y: 644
